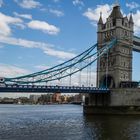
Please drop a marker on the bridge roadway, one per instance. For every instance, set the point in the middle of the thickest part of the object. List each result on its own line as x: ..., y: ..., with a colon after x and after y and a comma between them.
x: 136, y: 42
x: 52, y: 89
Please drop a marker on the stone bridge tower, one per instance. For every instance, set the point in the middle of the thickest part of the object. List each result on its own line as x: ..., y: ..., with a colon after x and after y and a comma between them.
x: 116, y: 65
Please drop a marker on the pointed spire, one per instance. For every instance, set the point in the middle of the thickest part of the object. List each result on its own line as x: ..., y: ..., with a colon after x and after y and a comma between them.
x: 100, y: 19
x: 131, y: 18
x: 116, y: 12
x: 126, y: 18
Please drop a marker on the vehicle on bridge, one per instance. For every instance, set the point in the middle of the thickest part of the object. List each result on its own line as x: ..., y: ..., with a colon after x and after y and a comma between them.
x: 2, y: 82
x: 129, y: 84
x: 2, y: 79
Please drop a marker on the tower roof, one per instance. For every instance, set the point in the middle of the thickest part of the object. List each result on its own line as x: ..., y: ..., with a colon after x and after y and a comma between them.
x: 116, y: 13
x: 131, y: 19
x: 100, y: 19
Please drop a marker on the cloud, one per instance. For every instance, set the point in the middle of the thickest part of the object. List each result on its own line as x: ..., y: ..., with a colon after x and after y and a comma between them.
x: 5, y: 22
x: 136, y: 18
x: 132, y: 5
x: 56, y: 12
x: 94, y: 14
x: 44, y: 9
x: 11, y: 71
x: 42, y: 67
x: 1, y: 3
x: 1, y: 46
x: 20, y: 25
x: 43, y: 26
x: 78, y: 2
x: 60, y: 61
x: 28, y: 4
x: 46, y: 48
x: 92, y: 78
x: 84, y: 80
x: 59, y: 54
x: 26, y: 16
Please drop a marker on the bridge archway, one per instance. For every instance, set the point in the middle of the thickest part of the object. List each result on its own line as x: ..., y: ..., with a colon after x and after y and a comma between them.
x: 107, y: 81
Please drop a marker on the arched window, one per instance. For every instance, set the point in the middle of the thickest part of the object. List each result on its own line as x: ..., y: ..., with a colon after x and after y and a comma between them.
x: 125, y: 33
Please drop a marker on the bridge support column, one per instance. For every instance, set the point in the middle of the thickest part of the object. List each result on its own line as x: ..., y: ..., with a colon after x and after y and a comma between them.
x: 121, y: 101
x: 94, y: 103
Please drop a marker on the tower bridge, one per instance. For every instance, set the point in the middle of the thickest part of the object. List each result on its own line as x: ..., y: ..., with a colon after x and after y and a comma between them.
x: 115, y: 92
x: 136, y: 44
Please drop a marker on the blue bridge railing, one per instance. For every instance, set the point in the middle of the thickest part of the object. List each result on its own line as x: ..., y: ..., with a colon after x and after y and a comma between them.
x: 52, y: 89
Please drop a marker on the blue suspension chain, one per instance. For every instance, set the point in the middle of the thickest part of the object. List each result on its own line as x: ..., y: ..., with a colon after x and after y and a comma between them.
x: 52, y: 76
x: 107, y: 70
x: 80, y: 78
x: 90, y: 73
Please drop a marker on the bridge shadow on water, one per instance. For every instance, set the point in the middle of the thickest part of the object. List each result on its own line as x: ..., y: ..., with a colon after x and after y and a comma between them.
x: 111, y: 127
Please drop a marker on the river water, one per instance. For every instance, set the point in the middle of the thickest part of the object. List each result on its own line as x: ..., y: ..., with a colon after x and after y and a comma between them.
x: 63, y: 122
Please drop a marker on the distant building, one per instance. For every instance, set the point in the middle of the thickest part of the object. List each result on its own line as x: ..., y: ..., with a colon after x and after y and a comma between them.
x: 34, y: 98
x: 7, y: 101
x: 78, y: 98
x: 56, y: 97
x: 66, y: 98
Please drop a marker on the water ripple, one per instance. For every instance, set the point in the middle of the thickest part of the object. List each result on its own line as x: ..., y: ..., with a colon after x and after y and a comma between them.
x: 63, y: 122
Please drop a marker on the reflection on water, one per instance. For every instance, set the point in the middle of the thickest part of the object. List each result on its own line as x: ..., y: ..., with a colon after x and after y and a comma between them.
x: 114, y: 127
x: 63, y: 122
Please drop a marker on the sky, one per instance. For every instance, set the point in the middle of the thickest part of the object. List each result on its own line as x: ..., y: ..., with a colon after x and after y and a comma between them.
x: 38, y: 34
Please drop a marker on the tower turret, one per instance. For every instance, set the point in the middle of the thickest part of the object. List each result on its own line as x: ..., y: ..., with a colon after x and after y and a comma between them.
x: 115, y: 67
x: 100, y: 27
x: 100, y: 22
x: 131, y: 19
x: 131, y: 22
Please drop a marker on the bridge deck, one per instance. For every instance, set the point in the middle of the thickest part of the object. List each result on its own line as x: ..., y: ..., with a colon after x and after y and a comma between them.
x: 136, y: 42
x: 52, y: 89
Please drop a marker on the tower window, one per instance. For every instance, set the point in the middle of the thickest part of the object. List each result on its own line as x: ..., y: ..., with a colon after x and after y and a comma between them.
x: 125, y: 24
x: 124, y: 64
x: 114, y: 22
x: 108, y: 25
x: 125, y: 33
x: 124, y: 76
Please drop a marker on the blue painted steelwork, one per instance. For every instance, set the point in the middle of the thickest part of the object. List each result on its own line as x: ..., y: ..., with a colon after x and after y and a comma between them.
x: 68, y: 68
x: 65, y: 69
x: 136, y: 44
x: 53, y: 89
x: 60, y: 66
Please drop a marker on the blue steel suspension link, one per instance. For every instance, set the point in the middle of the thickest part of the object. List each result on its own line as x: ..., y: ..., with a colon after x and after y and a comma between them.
x: 103, y: 50
x: 47, y: 72
x: 67, y: 67
x: 60, y: 69
x: 110, y: 46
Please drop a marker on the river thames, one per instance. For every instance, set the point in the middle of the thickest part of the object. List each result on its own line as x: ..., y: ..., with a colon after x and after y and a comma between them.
x: 63, y: 122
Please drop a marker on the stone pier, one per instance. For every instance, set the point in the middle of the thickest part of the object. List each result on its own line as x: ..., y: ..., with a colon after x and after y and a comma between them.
x: 118, y: 101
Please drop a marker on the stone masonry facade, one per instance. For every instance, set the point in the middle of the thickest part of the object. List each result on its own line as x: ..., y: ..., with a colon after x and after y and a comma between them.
x: 116, y: 66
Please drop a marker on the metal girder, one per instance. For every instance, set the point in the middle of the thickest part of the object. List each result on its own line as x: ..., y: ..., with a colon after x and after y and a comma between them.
x: 53, y: 89
x: 136, y: 44
x: 65, y: 69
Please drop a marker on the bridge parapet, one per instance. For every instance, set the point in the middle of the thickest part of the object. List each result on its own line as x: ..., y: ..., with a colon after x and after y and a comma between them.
x: 53, y: 89
x: 136, y: 42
